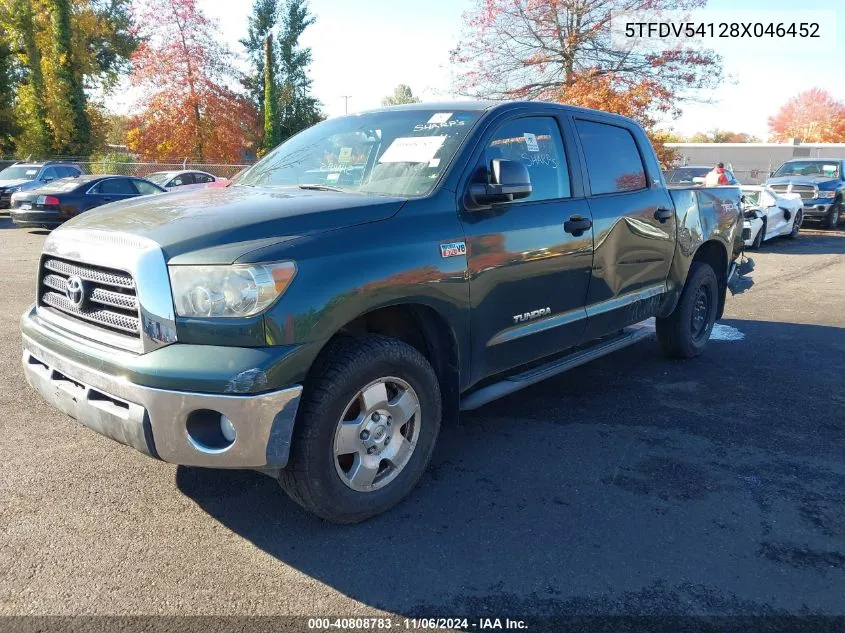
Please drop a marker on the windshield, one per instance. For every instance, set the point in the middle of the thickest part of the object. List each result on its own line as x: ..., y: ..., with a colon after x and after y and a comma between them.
x: 685, y: 174
x: 19, y: 172
x: 400, y: 153
x: 828, y: 169
x: 161, y: 177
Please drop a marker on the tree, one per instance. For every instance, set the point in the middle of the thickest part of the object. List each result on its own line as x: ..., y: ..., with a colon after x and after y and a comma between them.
x: 19, y: 20
x: 813, y: 116
x: 262, y: 21
x: 62, y: 47
x: 298, y: 109
x: 73, y: 135
x: 402, y: 94
x: 560, y: 50
x: 8, y: 77
x: 184, y: 72
x: 723, y: 136
x: 271, y: 123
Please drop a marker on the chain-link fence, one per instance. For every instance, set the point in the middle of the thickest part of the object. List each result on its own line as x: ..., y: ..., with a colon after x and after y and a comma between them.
x: 126, y: 166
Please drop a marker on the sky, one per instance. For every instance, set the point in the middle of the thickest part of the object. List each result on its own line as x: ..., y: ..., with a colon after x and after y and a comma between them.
x: 364, y: 48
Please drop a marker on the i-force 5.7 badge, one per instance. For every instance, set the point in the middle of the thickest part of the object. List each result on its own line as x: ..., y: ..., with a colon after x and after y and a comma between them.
x: 453, y: 249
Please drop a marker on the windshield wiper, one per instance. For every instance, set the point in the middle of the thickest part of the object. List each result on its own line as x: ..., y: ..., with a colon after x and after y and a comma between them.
x: 316, y: 187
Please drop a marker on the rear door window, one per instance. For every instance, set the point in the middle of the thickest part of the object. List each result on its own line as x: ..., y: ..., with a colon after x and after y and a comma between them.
x: 203, y: 178
x: 145, y: 188
x: 117, y: 186
x: 614, y: 164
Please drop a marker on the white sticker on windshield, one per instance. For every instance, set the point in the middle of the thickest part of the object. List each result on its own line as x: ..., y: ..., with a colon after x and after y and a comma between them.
x: 440, y: 117
x: 416, y: 149
x: 829, y: 168
x: 531, y: 142
x: 31, y: 172
x: 434, y: 162
x: 332, y: 177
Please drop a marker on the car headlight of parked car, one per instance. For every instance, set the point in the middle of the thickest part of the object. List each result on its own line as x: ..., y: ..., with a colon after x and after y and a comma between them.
x: 238, y: 290
x: 827, y: 194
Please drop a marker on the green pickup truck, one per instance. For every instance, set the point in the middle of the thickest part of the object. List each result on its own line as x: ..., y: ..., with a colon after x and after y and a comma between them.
x: 373, y: 275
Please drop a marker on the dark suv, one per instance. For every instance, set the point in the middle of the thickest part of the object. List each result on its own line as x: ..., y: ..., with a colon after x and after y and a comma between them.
x: 26, y: 176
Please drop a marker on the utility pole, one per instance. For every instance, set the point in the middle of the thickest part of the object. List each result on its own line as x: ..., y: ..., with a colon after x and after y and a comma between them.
x: 346, y: 99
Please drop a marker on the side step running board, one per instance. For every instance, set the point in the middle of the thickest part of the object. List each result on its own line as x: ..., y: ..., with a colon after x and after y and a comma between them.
x: 626, y: 337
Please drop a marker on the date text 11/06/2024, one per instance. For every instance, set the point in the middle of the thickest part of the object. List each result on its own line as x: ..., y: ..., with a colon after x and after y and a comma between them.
x: 420, y: 624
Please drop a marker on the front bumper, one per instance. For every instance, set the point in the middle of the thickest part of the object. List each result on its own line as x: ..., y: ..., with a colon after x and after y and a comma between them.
x: 816, y: 208
x: 157, y: 421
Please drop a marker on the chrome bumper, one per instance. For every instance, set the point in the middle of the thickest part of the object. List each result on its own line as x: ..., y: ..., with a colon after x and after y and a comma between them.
x: 155, y: 421
x: 815, y: 209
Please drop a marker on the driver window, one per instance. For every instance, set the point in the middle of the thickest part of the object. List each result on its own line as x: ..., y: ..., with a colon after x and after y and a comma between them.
x: 535, y: 142
x: 49, y: 174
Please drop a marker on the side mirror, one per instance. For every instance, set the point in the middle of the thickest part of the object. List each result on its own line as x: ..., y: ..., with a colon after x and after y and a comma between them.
x: 509, y: 181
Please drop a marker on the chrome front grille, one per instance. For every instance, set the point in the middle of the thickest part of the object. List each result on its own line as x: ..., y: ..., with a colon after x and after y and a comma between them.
x: 110, y: 300
x: 807, y: 192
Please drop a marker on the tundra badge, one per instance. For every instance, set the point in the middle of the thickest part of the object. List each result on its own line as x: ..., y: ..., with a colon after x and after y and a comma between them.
x: 530, y: 316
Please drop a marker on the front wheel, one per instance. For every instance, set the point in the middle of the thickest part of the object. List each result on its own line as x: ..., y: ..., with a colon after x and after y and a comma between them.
x: 366, y: 429
x: 831, y: 221
x: 796, y: 225
x: 685, y: 332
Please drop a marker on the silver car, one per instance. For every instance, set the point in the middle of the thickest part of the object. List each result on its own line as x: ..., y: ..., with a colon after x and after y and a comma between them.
x: 27, y: 176
x: 187, y: 179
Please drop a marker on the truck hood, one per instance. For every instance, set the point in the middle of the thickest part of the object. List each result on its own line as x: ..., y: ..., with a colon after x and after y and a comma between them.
x: 813, y: 181
x: 218, y: 225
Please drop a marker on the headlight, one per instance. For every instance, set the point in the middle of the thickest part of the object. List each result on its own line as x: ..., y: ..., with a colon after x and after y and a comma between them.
x: 228, y: 291
x: 827, y: 194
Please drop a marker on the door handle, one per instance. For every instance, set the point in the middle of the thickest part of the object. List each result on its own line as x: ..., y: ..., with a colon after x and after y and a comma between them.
x: 577, y: 225
x: 107, y: 199
x: 661, y: 215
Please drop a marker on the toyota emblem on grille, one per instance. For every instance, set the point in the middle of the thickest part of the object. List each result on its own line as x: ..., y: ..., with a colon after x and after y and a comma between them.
x: 75, y: 291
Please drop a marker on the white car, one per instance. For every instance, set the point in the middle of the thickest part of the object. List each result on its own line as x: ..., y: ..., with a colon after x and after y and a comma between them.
x: 184, y: 179
x: 769, y: 214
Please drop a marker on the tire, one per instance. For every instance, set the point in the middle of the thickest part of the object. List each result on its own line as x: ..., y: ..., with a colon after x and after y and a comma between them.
x: 796, y: 225
x: 831, y: 221
x: 758, y: 239
x: 316, y: 476
x: 685, y: 332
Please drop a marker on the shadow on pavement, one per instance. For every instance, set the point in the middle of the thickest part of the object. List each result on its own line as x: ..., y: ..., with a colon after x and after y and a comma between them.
x: 632, y: 485
x: 808, y: 242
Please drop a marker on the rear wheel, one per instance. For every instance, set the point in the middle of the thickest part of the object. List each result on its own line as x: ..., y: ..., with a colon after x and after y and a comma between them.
x: 366, y: 429
x: 831, y: 221
x: 685, y: 332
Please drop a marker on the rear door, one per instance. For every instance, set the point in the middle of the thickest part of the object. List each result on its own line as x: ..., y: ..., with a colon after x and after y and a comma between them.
x: 633, y: 224
x: 110, y: 190
x: 528, y: 275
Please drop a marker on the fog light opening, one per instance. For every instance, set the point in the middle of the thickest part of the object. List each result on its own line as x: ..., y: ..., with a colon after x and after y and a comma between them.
x: 210, y: 431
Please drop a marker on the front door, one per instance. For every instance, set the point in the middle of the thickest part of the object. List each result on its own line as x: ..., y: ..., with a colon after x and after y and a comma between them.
x: 528, y: 275
x: 633, y: 226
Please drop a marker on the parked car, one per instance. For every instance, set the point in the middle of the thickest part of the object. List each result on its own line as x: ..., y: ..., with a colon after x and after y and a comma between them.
x: 186, y: 179
x: 820, y: 183
x: 769, y: 214
x: 694, y: 175
x: 29, y: 176
x: 53, y: 204
x: 369, y: 276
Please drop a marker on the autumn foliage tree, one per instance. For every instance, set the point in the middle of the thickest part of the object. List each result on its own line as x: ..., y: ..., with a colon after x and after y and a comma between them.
x: 812, y: 116
x: 560, y: 50
x: 188, y: 108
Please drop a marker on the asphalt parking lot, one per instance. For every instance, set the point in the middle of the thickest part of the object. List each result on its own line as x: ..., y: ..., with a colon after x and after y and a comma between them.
x: 633, y: 485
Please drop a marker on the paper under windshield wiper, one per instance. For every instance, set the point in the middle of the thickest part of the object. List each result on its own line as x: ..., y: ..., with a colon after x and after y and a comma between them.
x: 317, y: 187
